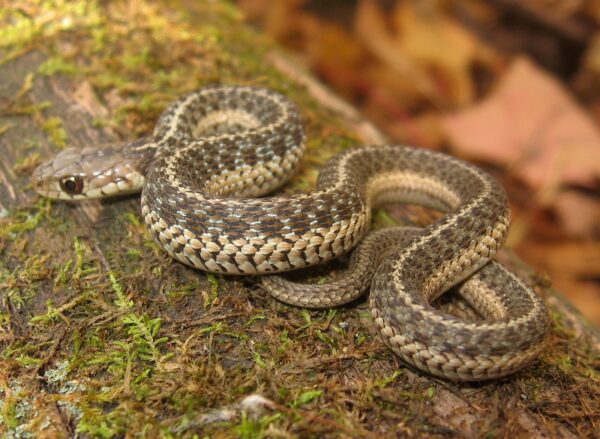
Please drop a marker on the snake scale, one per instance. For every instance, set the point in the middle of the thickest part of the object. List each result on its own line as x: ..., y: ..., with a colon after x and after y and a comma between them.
x: 216, y: 150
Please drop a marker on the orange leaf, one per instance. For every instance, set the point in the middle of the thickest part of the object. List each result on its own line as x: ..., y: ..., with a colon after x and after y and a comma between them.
x: 533, y: 125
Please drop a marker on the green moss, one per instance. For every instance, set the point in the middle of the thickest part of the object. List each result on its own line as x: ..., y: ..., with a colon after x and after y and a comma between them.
x: 55, y: 130
x: 23, y: 28
x: 57, y: 64
x: 384, y: 218
x: 20, y: 286
x: 177, y: 292
x: 121, y: 302
x: 389, y: 379
x: 27, y: 162
x: 53, y: 313
x: 306, y: 397
x: 255, y: 318
x: 24, y: 220
x: 23, y: 352
x: 211, y: 297
x: 250, y: 428
x: 144, y: 332
x: 285, y: 343
x: 325, y: 338
x: 258, y: 359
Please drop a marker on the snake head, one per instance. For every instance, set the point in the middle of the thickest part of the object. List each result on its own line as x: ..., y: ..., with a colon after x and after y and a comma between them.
x: 76, y: 174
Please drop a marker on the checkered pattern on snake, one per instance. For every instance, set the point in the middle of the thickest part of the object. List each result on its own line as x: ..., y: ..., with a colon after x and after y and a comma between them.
x: 215, y: 150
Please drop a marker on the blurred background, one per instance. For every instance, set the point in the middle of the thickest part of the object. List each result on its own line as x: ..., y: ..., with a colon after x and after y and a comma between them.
x: 513, y: 86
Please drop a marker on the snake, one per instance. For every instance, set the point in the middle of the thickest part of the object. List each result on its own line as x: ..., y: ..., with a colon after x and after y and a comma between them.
x: 206, y: 176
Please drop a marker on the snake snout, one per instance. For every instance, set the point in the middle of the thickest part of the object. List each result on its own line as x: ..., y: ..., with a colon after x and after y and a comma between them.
x: 36, y: 177
x: 49, y: 177
x: 41, y: 175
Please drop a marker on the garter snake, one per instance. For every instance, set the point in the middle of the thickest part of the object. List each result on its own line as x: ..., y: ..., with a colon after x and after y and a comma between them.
x: 215, y: 151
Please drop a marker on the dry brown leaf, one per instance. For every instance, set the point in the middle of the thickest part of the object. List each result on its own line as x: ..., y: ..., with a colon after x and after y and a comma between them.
x: 592, y: 57
x: 579, y: 214
x: 427, y: 48
x: 532, y: 125
x: 373, y: 31
x: 333, y: 52
x: 441, y: 45
x: 572, y: 265
x: 577, y: 259
x: 585, y: 295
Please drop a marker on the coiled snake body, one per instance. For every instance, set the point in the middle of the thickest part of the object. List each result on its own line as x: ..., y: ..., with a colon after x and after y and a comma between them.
x: 213, y: 151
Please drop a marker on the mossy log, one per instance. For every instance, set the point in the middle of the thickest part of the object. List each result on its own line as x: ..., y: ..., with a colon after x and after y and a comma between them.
x: 103, y: 334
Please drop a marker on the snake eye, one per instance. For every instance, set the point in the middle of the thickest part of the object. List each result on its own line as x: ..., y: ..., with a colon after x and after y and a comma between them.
x: 72, y: 185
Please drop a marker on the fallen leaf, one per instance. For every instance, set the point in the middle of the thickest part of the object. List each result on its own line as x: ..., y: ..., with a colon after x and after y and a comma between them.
x: 573, y: 266
x: 572, y: 258
x: 440, y: 44
x: 373, y: 31
x: 430, y: 50
x: 579, y: 214
x: 531, y: 125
